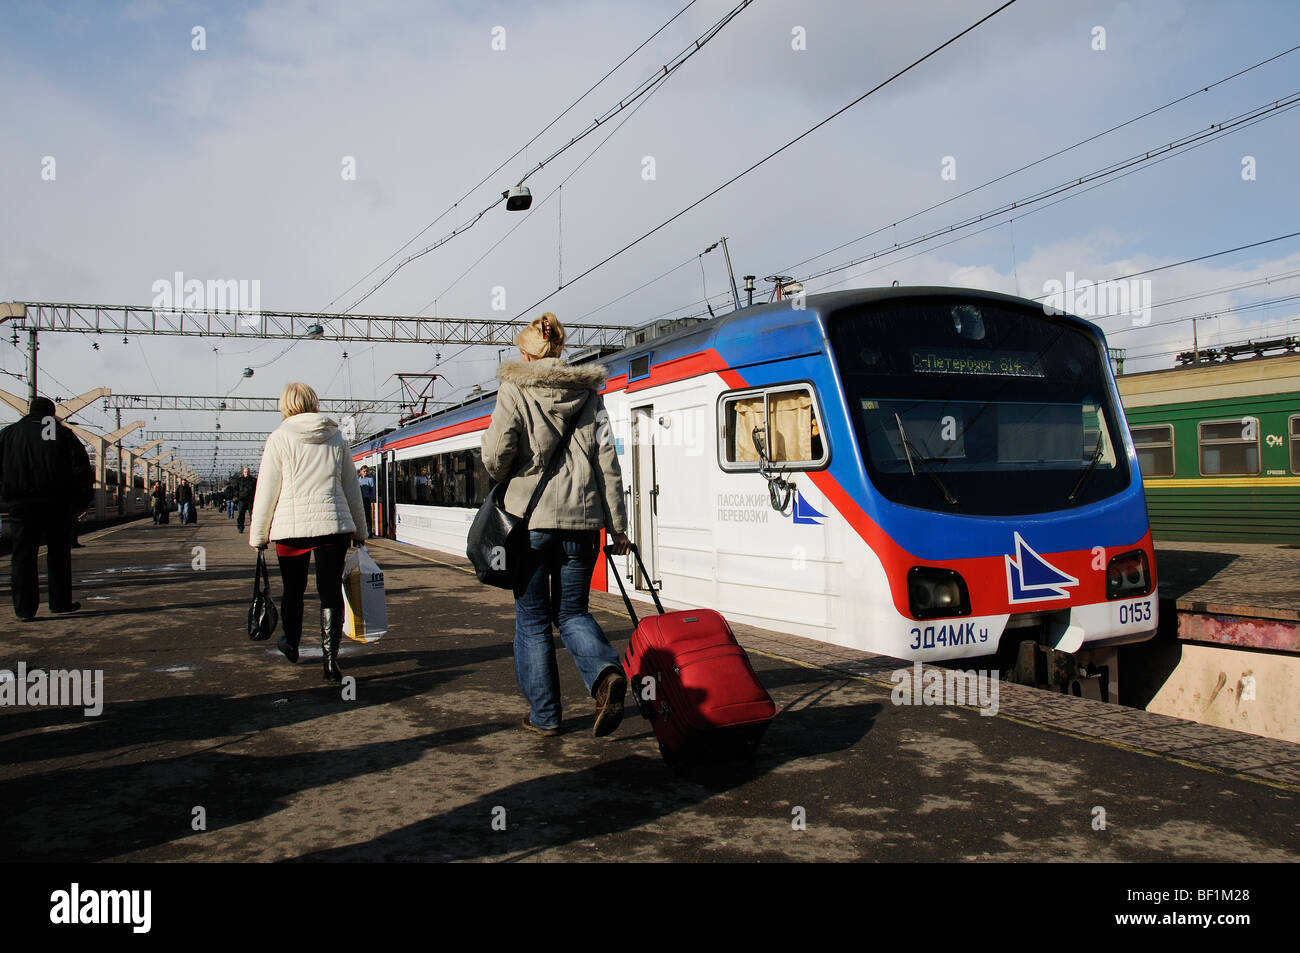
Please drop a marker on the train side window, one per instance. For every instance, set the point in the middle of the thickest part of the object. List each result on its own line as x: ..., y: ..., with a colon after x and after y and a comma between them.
x: 457, y: 478
x: 782, y: 422
x: 1155, y: 449
x: 1229, y: 447
x: 1293, y: 425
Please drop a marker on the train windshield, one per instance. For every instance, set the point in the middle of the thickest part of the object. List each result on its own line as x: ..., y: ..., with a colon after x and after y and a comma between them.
x: 979, y: 408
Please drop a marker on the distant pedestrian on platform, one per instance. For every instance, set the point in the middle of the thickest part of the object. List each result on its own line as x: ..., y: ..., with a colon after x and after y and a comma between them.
x: 245, y: 493
x: 185, y: 502
x: 45, y: 480
x: 367, y: 497
x: 228, y: 497
x: 308, y: 502
x: 158, y: 502
x: 538, y: 396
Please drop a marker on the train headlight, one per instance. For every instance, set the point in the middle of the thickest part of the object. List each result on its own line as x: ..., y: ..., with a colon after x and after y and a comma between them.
x: 1128, y: 574
x: 933, y: 593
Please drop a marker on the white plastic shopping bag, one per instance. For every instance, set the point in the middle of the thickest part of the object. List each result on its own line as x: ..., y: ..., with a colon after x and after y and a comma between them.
x: 365, y: 610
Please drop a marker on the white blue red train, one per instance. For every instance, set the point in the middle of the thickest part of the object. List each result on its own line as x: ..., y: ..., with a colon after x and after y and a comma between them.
x: 918, y: 472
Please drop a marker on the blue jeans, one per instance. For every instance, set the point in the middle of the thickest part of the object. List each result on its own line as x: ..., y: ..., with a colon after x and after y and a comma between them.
x: 571, y: 554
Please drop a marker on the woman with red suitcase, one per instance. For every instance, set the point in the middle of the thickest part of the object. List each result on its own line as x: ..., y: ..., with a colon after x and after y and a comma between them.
x: 539, y: 396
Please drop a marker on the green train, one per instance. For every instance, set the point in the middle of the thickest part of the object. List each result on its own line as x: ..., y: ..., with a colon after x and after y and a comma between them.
x: 1219, y: 449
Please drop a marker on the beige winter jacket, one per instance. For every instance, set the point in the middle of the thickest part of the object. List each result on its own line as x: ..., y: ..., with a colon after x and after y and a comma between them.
x: 306, y: 485
x: 535, y: 401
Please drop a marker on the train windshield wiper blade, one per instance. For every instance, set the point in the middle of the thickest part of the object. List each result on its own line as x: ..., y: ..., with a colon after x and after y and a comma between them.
x: 1092, y: 465
x: 910, y: 451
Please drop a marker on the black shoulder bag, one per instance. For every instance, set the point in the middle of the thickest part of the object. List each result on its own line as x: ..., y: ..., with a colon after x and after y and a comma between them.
x: 262, y: 614
x: 498, y: 541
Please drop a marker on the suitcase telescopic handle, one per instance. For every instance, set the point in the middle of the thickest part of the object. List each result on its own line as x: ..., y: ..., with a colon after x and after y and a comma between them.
x: 609, y: 551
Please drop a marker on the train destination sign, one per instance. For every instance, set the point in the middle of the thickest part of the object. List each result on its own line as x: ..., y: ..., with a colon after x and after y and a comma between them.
x: 943, y: 360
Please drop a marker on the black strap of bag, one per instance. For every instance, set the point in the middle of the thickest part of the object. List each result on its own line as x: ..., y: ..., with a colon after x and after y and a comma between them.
x: 553, y: 463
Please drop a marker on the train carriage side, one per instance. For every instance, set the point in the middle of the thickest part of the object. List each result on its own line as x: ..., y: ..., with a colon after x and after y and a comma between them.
x: 1219, y: 448
x: 921, y: 510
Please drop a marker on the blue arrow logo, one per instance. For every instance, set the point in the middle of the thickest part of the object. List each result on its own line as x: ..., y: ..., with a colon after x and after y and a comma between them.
x: 1031, y: 578
x: 804, y: 512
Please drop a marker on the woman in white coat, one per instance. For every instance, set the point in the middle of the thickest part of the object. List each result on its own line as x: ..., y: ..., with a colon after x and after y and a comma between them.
x: 308, y: 501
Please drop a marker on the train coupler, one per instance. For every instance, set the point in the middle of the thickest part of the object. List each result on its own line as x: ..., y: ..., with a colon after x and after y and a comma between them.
x: 1090, y: 674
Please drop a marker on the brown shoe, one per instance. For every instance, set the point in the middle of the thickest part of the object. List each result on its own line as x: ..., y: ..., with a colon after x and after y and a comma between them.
x: 609, y: 703
x: 548, y: 732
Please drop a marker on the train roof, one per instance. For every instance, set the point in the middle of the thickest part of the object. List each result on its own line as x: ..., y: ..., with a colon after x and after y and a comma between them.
x: 794, y: 331
x: 1255, y: 377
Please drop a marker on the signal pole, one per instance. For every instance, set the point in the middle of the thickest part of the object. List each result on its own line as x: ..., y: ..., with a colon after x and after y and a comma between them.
x: 31, y: 365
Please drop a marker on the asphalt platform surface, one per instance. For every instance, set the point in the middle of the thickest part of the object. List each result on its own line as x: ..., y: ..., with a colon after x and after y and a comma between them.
x: 213, y: 748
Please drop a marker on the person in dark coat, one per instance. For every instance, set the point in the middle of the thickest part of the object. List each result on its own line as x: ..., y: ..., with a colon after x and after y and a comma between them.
x: 45, y: 479
x: 245, y: 491
x: 157, y: 502
x: 185, y: 501
x: 228, y: 497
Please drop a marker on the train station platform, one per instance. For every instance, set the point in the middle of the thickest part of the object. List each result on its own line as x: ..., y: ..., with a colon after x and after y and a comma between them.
x: 1229, y: 651
x: 212, y: 748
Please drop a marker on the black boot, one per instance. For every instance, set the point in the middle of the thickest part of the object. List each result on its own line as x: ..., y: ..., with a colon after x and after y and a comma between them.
x: 291, y: 618
x: 288, y: 645
x: 331, y: 635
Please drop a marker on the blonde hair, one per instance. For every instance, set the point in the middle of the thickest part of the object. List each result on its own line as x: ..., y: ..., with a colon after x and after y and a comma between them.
x: 298, y: 398
x: 544, y: 337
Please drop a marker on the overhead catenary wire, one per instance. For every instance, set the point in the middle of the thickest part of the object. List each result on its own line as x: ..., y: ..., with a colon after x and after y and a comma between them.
x: 1110, y: 172
x: 513, y: 156
x: 769, y: 156
x: 792, y: 269
x: 653, y: 82
x: 540, y: 205
x: 1019, y: 207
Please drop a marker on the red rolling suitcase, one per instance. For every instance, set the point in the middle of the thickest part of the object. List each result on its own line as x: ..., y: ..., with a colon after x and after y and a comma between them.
x: 693, y: 682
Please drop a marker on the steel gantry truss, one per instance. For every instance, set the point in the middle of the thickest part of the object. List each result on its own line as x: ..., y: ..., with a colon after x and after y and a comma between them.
x: 207, y: 436
x: 335, y: 405
x: 285, y: 325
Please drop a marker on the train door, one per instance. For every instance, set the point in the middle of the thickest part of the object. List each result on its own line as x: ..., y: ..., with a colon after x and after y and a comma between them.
x: 386, y: 496
x: 645, y: 495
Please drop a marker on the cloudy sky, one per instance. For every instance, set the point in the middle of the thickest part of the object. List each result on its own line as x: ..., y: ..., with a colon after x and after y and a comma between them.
x: 219, y: 140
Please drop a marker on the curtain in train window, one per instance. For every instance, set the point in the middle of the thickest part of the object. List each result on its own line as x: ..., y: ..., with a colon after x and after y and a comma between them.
x: 790, y: 424
x: 743, y: 416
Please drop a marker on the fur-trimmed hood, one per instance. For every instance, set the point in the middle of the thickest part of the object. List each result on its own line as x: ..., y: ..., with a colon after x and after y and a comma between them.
x: 552, y: 387
x: 553, y: 372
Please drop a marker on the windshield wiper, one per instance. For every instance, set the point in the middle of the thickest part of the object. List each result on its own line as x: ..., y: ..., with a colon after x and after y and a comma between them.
x: 1092, y: 465
x: 908, y: 449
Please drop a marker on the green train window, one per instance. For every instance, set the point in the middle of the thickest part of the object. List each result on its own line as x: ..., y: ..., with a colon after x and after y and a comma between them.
x: 1295, y: 443
x: 1155, y: 450
x: 1229, y: 447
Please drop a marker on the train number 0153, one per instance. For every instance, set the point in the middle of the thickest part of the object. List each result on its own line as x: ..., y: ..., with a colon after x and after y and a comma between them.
x: 1131, y: 613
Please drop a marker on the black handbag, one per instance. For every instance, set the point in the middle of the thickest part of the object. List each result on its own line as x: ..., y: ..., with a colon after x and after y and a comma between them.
x: 498, y: 541
x: 262, y: 614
